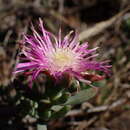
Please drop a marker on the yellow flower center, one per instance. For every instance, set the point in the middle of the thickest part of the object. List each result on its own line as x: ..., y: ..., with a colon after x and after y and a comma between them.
x: 63, y: 58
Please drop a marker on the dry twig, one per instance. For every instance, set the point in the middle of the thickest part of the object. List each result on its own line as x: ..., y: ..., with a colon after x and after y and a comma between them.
x: 101, y: 26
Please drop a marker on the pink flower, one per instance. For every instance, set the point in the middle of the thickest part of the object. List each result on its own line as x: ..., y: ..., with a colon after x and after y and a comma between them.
x: 44, y: 52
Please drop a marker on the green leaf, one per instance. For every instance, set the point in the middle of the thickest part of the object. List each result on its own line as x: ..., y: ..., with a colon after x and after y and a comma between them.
x: 61, y: 112
x: 41, y: 127
x: 56, y: 108
x: 82, y: 96
x: 46, y: 114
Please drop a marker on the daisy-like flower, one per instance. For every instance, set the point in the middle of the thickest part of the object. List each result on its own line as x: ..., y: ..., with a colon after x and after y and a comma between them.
x: 44, y: 52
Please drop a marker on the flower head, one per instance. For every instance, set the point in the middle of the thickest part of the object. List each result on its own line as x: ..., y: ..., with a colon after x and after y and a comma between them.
x: 44, y: 52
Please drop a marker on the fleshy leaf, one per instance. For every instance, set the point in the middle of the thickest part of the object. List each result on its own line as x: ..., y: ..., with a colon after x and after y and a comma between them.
x: 82, y: 96
x: 56, y: 108
x: 61, y: 112
x: 41, y: 127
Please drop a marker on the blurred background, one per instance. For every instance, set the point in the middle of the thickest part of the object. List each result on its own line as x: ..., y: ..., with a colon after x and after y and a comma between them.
x: 103, y: 23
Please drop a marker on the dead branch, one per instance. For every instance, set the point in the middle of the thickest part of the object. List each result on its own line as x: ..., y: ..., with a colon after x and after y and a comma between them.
x: 98, y: 109
x: 101, y: 26
x: 108, y: 107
